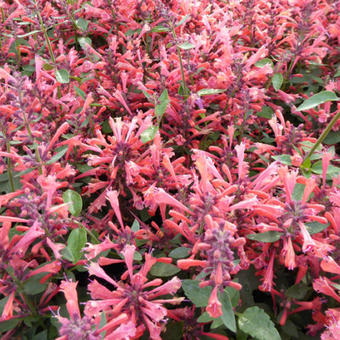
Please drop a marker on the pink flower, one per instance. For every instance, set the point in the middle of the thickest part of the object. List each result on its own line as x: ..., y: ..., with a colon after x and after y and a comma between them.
x: 214, y: 307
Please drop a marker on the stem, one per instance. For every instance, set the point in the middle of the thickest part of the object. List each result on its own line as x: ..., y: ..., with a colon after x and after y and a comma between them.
x: 323, y: 136
x: 185, y: 89
x: 27, y: 300
x: 43, y: 28
x: 9, y: 166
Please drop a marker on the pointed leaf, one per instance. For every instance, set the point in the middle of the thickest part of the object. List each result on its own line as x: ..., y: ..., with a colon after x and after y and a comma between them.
x: 268, y: 236
x: 277, y: 81
x: 199, y: 296
x: 148, y: 134
x: 255, y: 322
x: 263, y: 62
x: 163, y: 103
x: 160, y: 269
x: 186, y: 46
x: 317, y: 99
x: 180, y: 253
x: 76, y: 242
x: 61, y: 152
x: 228, y: 316
x: 205, y: 92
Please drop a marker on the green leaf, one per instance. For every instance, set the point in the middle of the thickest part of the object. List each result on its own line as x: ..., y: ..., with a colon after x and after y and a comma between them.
x: 174, y: 330
x: 183, y: 20
x: 40, y: 336
x: 266, y: 112
x: 136, y: 256
x: 60, y: 153
x: 205, y: 317
x: 75, y: 202
x: 255, y: 322
x: 82, y: 24
x: 284, y: 159
x: 159, y: 29
x: 297, y: 291
x: 80, y: 92
x: 206, y: 92
x: 180, y: 253
x: 332, y: 171
x: 161, y: 269
x: 8, y: 325
x: 316, y: 227
x: 277, y: 81
x: 267, y: 237
x: 228, y: 316
x: 5, y: 186
x: 32, y: 286
x: 3, y: 303
x: 135, y: 225
x: 337, y: 73
x: 148, y: 134
x: 317, y: 99
x: 83, y: 41
x: 332, y: 138
x: 186, y: 46
x: 199, y: 296
x: 297, y: 194
x: 62, y: 76
x: 263, y: 62
x: 102, y: 323
x: 234, y: 295
x: 28, y: 34
x: 161, y: 107
x: 76, y: 242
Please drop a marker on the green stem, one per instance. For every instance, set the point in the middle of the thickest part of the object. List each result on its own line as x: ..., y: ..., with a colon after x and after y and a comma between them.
x: 20, y: 287
x: 43, y: 28
x: 185, y: 89
x: 88, y: 231
x: 9, y: 166
x: 322, y: 137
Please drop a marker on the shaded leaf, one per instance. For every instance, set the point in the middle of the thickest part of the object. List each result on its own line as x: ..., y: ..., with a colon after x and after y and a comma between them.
x: 76, y: 242
x: 316, y: 227
x: 266, y: 112
x: 228, y: 316
x: 180, y: 253
x: 161, y: 269
x: 199, y: 296
x: 61, y: 152
x: 297, y: 291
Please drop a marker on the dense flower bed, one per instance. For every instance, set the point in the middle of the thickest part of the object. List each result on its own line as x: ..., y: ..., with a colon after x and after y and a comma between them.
x: 169, y: 169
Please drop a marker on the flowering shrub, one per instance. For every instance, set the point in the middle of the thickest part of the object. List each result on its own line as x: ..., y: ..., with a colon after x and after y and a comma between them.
x: 169, y: 169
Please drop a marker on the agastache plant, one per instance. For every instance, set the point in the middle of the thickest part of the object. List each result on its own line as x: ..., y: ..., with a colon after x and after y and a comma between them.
x: 169, y: 169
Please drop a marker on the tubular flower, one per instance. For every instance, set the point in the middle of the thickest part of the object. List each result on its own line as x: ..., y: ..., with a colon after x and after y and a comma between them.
x: 131, y: 298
